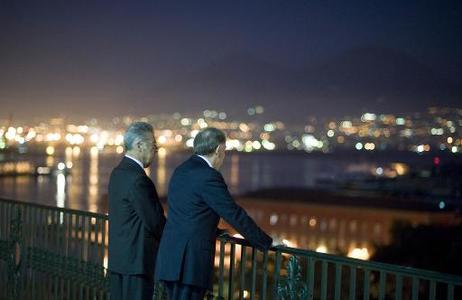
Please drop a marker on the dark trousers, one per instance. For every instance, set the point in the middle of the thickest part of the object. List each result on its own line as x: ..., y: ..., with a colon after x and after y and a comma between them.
x: 179, y: 291
x: 128, y: 287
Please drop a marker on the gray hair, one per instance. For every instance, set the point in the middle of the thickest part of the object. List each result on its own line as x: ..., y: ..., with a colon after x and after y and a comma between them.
x: 136, y: 131
x: 208, y: 140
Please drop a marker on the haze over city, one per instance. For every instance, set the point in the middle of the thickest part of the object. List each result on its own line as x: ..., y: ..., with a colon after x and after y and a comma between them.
x: 297, y: 59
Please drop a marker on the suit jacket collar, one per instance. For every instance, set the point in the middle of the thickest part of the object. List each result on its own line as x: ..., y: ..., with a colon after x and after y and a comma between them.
x: 200, y: 160
x: 127, y: 163
x: 205, y: 159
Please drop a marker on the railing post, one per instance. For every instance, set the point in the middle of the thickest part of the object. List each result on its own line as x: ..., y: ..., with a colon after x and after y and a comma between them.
x: 450, y: 295
x: 382, y: 284
x: 310, y: 276
x: 242, y: 272
x: 366, y: 284
x: 221, y: 269
x: 415, y: 288
x: 265, y: 275
x: 338, y: 281
x: 254, y: 273
x: 352, y: 289
x: 324, y: 276
x: 432, y: 289
x: 15, y: 252
x: 277, y: 270
x: 399, y: 287
x: 232, y: 259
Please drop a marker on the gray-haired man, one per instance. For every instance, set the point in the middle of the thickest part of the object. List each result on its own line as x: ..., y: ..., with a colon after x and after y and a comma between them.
x: 136, y: 218
x: 197, y: 198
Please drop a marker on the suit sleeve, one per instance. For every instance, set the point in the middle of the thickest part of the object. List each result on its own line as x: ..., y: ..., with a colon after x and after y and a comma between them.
x: 215, y: 193
x: 147, y: 206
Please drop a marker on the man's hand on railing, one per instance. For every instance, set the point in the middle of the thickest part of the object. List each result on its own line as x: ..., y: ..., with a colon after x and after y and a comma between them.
x: 277, y: 242
x: 223, y: 232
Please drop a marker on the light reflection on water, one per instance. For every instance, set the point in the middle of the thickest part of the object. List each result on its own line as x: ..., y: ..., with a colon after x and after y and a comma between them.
x: 60, y: 190
x: 93, y: 195
x: 161, y: 175
x: 234, y: 174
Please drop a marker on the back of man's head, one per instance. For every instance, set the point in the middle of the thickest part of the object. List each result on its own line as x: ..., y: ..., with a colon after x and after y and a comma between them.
x: 207, y: 141
x: 135, y: 132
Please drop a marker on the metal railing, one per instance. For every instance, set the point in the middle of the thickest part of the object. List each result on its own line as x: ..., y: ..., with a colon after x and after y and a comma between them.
x: 52, y: 253
x: 57, y: 253
x: 290, y: 273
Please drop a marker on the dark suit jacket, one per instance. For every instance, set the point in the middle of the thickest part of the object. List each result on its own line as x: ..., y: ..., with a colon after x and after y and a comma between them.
x: 197, y: 198
x: 136, y: 220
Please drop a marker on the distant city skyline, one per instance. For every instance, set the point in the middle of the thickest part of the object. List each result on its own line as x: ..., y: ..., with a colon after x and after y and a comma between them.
x: 437, y: 130
x: 297, y: 59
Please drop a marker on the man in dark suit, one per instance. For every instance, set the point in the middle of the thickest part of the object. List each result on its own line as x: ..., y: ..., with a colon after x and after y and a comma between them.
x: 197, y: 198
x: 136, y: 218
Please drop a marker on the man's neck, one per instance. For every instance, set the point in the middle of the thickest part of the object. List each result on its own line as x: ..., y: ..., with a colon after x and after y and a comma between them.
x: 134, y: 158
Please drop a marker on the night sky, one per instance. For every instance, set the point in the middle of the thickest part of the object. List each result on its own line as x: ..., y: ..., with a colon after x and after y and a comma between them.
x: 108, y: 58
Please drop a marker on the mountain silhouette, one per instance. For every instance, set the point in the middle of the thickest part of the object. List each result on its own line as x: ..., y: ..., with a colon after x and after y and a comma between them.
x: 362, y: 79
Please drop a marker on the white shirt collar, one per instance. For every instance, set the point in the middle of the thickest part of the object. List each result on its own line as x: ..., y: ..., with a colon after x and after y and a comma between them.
x: 206, y: 160
x: 134, y: 159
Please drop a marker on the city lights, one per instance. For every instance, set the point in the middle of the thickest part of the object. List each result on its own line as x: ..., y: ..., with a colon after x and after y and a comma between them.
x: 321, y: 249
x: 61, y: 166
x: 50, y: 150
x: 243, y: 127
x: 368, y: 117
x: 359, y: 253
x: 369, y: 146
x: 330, y: 133
x: 400, y: 121
x: 162, y: 139
x: 269, y: 127
x: 162, y: 152
x: 439, y: 128
x: 268, y: 145
x: 194, y: 133
x: 190, y: 143
x: 311, y: 143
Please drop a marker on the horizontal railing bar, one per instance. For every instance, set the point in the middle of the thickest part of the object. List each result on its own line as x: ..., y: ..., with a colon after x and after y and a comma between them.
x: 54, y: 208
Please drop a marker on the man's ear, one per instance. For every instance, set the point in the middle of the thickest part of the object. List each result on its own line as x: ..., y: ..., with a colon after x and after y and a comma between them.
x: 219, y: 147
x: 138, y: 144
